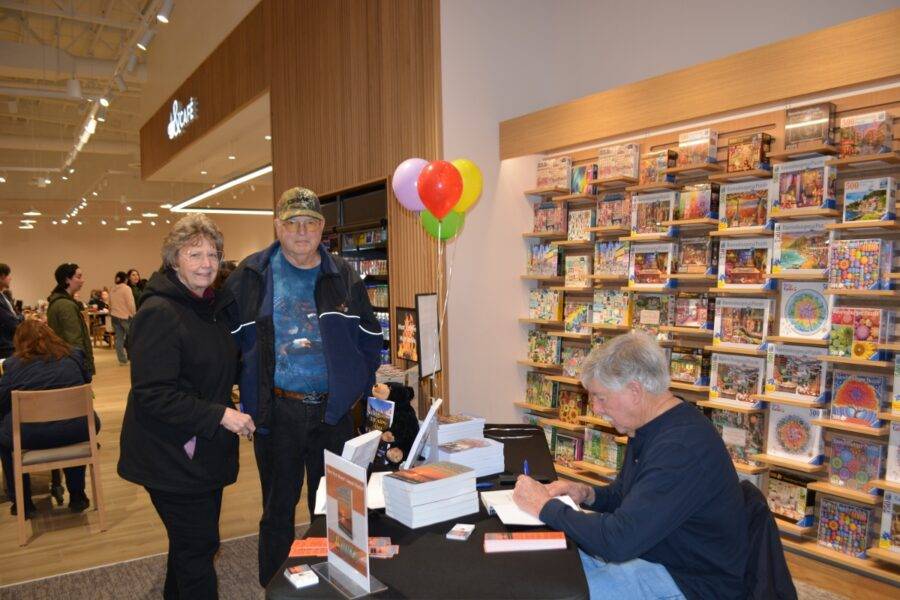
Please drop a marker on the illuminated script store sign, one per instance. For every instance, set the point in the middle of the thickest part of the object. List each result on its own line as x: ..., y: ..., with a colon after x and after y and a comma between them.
x: 181, y: 117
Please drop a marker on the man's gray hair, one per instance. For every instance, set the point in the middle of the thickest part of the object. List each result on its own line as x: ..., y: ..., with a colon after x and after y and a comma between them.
x: 634, y: 356
x: 188, y: 230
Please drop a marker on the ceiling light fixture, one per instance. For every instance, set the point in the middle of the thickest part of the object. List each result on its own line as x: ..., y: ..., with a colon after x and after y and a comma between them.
x: 103, y: 221
x: 165, y: 12
x: 203, y: 172
x: 133, y: 222
x: 121, y: 229
x: 182, y: 206
x: 153, y: 223
x: 63, y: 221
x: 2, y: 179
x: 64, y: 178
x: 26, y: 226
x: 54, y: 221
x: 78, y: 222
x: 101, y: 114
x: 28, y: 221
x: 165, y: 206
x: 149, y: 214
x: 145, y: 40
x: 132, y: 63
x: 232, y: 157
x: 32, y: 213
x: 268, y: 138
x: 48, y: 181
x: 93, y: 194
x: 71, y: 170
x: 104, y: 101
x: 128, y: 208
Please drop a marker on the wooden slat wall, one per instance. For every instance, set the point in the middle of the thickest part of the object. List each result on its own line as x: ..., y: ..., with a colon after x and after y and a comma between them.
x: 235, y: 74
x: 853, y: 53
x: 355, y: 90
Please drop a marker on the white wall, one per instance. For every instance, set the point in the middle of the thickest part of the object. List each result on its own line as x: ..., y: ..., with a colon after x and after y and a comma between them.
x: 501, y: 59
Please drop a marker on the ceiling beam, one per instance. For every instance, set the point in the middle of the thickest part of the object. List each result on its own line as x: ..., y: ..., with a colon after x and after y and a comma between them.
x: 70, y: 15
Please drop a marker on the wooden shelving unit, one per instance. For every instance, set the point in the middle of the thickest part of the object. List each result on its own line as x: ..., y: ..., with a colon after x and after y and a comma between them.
x: 889, y: 416
x: 547, y: 192
x: 641, y: 238
x: 573, y: 290
x: 661, y: 186
x: 733, y: 408
x: 545, y: 235
x: 805, y: 213
x: 867, y: 161
x: 570, y: 335
x: 596, y: 469
x: 543, y: 278
x: 842, y: 492
x: 794, y: 465
x: 853, y: 362
x: 722, y: 349
x: 595, y: 421
x: 574, y: 244
x: 890, y: 346
x: 575, y: 198
x: 742, y: 232
x: 800, y: 276
x: 864, y: 225
x: 736, y: 176
x: 545, y: 410
x: 789, y: 401
x: 609, y: 231
x: 747, y: 469
x: 870, y: 567
x: 577, y: 475
x: 612, y: 183
x: 694, y: 277
x: 729, y: 291
x: 688, y: 387
x: 539, y: 321
x: 687, y: 331
x: 607, y: 327
x: 692, y: 223
x: 648, y: 289
x: 883, y: 484
x: 805, y: 152
x: 537, y: 365
x: 693, y: 170
x: 883, y: 554
x: 852, y: 427
x: 562, y: 425
x: 609, y: 278
x: 783, y: 339
x: 872, y: 294
x: 794, y: 529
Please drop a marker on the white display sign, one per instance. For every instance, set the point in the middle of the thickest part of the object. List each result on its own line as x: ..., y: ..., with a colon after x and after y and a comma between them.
x: 181, y: 117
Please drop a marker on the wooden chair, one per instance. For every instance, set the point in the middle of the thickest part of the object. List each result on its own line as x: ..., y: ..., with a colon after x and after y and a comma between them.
x: 53, y: 405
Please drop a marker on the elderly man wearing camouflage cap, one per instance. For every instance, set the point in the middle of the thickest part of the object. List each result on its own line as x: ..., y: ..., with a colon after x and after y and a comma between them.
x: 310, y: 346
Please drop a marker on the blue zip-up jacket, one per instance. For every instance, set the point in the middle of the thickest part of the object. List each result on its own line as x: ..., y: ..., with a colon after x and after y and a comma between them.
x: 351, y: 336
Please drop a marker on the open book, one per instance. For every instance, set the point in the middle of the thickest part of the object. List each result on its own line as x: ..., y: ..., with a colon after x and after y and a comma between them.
x: 501, y: 503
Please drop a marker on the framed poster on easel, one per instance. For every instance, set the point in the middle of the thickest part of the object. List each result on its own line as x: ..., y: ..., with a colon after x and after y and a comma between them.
x: 429, y: 335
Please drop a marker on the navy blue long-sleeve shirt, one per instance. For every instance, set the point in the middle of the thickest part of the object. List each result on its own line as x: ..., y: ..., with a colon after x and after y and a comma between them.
x: 677, y: 502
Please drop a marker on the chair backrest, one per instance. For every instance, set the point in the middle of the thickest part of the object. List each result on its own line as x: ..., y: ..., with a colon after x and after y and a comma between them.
x: 35, y: 406
x: 767, y: 576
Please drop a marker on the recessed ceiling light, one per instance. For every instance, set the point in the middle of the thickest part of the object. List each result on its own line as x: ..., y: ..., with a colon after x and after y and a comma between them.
x: 103, y: 221
x: 31, y: 213
x: 47, y: 181
x: 168, y: 222
x: 121, y: 229
x: 54, y: 222
x: 149, y: 214
x: 28, y: 221
x: 133, y: 222
x: 94, y: 194
x: 203, y: 172
x: 153, y: 223
x: 72, y: 170
x: 63, y: 221
x: 165, y: 12
x: 166, y: 205
x: 268, y: 138
x: 64, y: 178
x: 232, y: 157
x: 128, y: 208
x: 2, y: 179
x: 78, y: 222
x: 26, y: 226
x: 104, y: 102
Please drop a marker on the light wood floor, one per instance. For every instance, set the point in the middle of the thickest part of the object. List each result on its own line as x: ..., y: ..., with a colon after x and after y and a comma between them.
x: 64, y: 542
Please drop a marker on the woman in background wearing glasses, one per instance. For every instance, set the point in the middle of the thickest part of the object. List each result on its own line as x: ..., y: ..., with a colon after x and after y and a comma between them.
x: 179, y: 435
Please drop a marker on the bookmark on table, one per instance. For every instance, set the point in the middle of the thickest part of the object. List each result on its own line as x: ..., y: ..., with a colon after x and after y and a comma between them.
x: 460, y: 532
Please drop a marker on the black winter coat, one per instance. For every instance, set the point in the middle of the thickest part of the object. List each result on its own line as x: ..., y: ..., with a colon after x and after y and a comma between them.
x: 183, y: 366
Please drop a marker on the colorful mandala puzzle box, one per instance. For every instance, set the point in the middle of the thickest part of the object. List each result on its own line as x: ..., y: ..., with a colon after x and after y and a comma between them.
x: 805, y: 310
x: 853, y: 461
x: 846, y: 527
x: 858, y: 397
x: 793, y: 435
x: 857, y: 332
x: 860, y: 264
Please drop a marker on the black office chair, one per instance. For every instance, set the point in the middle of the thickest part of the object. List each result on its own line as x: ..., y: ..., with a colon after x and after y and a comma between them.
x: 767, y: 576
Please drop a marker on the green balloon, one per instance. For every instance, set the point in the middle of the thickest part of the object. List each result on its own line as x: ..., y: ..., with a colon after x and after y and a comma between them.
x: 449, y: 226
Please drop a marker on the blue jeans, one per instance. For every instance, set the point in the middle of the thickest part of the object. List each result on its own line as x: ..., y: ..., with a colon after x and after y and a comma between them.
x: 637, y: 579
x: 121, y: 327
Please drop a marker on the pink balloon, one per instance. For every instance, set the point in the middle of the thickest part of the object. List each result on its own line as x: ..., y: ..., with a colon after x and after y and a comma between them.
x: 405, y: 183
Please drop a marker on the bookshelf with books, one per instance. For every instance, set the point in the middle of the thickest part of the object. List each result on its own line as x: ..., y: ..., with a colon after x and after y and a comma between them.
x: 787, y: 215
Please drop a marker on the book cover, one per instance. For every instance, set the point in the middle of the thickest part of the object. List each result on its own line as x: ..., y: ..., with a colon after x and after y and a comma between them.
x: 741, y: 322
x: 545, y: 304
x: 571, y: 406
x: 745, y: 263
x: 618, y: 161
x: 652, y: 166
x: 651, y: 311
x: 648, y: 211
x: 748, y: 152
x: 889, y: 537
x: 543, y: 348
x: 860, y: 264
x: 592, y: 441
x: 572, y: 357
x: 580, y: 223
x: 743, y: 433
x: 577, y: 316
x: 651, y: 264
x: 857, y: 332
x: 853, y: 461
x: 578, y: 182
x: 697, y: 255
x: 736, y: 379
x: 796, y: 372
x: 871, y: 133
x: 846, y: 527
x: 568, y: 449
x: 612, y: 258
x: 801, y: 247
x: 745, y: 204
x: 808, y: 125
x: 869, y: 199
x: 805, y: 310
x: 429, y: 472
x: 804, y: 184
x: 695, y: 310
x: 858, y: 397
x: 578, y: 271
x: 789, y: 497
x: 611, y: 307
x: 892, y: 473
x: 614, y: 210
x: 379, y: 414
x: 697, y: 147
x: 697, y: 201
x: 689, y: 365
x: 792, y: 434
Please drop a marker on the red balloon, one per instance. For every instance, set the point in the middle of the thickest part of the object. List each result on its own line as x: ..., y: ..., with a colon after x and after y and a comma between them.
x: 440, y: 187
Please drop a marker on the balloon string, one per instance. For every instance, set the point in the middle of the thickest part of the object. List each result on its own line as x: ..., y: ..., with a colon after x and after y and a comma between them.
x: 446, y: 302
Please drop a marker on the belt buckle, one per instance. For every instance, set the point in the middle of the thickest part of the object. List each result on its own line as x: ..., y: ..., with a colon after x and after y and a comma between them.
x: 313, y: 399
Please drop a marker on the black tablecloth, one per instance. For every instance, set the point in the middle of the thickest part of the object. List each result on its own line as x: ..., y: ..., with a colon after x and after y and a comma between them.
x: 431, y: 566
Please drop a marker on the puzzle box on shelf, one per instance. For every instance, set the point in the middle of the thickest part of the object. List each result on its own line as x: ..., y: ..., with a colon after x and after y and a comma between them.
x: 695, y: 309
x: 580, y: 177
x: 890, y: 522
x: 545, y: 304
x: 602, y: 449
x: 809, y: 125
x: 846, y: 527
x: 689, y: 365
x: 697, y: 201
x: 745, y: 263
x: 652, y: 167
x: 697, y: 147
x: 801, y: 247
x: 543, y: 348
x: 803, y: 184
x: 871, y: 133
x: 860, y: 264
x: 857, y: 332
x: 853, y: 461
x: 805, y: 310
x: 735, y: 380
x: 611, y: 307
x: 543, y: 259
x: 571, y: 405
x: 749, y: 152
x: 648, y: 211
x: 649, y: 312
x: 743, y: 433
x: 578, y: 271
x: 540, y: 391
x: 614, y: 210
x: 697, y: 256
x: 869, y: 199
x: 580, y: 223
x: 549, y: 217
x: 618, y: 161
x: 612, y: 258
x: 572, y: 356
x: 793, y: 435
x: 892, y: 473
x: 568, y: 449
x: 577, y: 316
x: 790, y: 499
x: 746, y: 204
x: 796, y: 373
x: 857, y: 398
x: 742, y: 322
x: 651, y: 265
x: 554, y: 172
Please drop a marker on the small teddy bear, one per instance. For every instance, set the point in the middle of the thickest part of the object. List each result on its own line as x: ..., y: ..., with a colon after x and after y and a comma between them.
x: 397, y: 439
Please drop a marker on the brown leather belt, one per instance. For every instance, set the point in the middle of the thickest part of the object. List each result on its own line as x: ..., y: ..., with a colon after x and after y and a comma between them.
x: 317, y: 398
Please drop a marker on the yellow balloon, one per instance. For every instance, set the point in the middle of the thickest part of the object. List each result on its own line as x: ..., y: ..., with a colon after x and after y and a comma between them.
x: 472, y: 183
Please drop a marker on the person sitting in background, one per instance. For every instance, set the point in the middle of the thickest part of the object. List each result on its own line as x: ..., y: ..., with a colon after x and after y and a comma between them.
x: 64, y: 313
x: 9, y: 319
x: 121, y: 310
x: 672, y: 524
x: 43, y: 361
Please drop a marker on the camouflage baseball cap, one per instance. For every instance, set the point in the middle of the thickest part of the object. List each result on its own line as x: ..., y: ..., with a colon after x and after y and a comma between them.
x: 297, y: 202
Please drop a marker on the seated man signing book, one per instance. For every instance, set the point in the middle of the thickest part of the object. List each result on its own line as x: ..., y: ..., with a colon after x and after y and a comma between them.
x: 672, y: 524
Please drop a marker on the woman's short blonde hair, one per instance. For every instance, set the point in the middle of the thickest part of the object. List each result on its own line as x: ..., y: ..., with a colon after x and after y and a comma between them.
x: 188, y: 230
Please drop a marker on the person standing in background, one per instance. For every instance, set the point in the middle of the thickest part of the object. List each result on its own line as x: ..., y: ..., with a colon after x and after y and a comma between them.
x: 64, y: 313
x: 9, y: 320
x: 137, y: 287
x: 121, y: 309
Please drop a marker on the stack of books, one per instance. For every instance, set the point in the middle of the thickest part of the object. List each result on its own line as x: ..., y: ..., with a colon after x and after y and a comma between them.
x: 457, y: 427
x: 483, y: 455
x: 523, y: 541
x: 430, y: 494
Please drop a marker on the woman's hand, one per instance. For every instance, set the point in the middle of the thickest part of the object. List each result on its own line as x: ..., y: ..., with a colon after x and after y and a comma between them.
x: 238, y: 422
